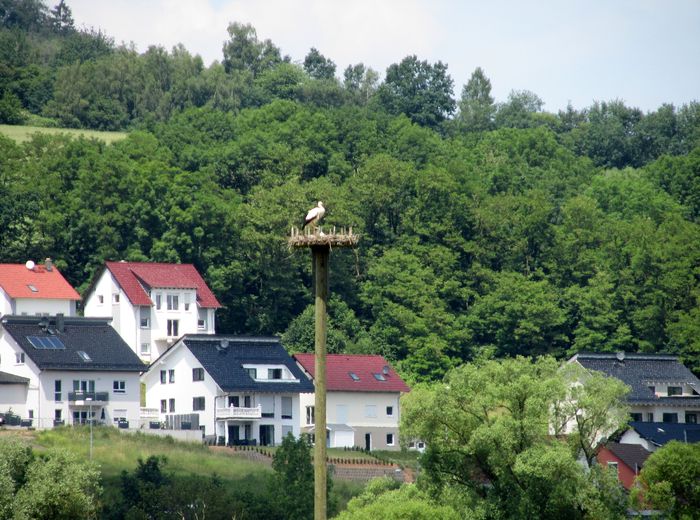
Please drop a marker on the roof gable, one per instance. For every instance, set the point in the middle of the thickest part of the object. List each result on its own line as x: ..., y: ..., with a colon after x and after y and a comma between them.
x: 633, y: 455
x: 135, y: 278
x: 639, y: 371
x: 661, y: 433
x: 37, y: 283
x: 104, y: 348
x: 339, y: 368
x: 223, y: 358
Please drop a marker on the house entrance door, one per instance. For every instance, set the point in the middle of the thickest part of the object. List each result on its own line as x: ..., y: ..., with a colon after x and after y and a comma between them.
x: 233, y: 434
x: 368, y: 441
x: 267, y: 434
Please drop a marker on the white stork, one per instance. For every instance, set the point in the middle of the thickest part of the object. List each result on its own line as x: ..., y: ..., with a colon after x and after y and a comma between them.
x: 314, y: 215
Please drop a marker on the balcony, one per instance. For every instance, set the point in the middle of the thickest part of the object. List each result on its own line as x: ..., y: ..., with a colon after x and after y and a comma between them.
x: 235, y: 412
x: 85, y: 398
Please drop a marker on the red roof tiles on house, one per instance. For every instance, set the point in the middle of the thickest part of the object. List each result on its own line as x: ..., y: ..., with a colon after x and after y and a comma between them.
x: 135, y: 277
x: 17, y: 281
x: 364, y: 367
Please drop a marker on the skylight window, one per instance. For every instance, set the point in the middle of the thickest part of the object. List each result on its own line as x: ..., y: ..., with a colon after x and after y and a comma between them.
x: 46, y: 343
x: 354, y: 376
x: 379, y: 377
x: 32, y: 288
x: 84, y: 356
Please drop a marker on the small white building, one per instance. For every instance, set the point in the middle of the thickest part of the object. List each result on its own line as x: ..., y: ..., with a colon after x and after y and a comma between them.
x: 35, y: 290
x: 362, y: 401
x: 152, y: 304
x: 238, y: 390
x: 67, y: 370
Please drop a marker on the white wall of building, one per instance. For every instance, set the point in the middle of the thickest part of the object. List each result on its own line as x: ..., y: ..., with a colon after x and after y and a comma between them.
x: 151, y: 341
x: 35, y: 306
x: 366, y: 409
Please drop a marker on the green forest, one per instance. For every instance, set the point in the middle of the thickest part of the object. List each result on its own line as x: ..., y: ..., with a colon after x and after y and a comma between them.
x: 488, y: 229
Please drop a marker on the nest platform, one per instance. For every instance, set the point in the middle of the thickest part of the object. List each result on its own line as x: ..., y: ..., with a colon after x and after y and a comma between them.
x: 318, y: 238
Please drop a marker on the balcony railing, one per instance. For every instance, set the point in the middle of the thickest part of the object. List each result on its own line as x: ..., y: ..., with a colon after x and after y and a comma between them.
x: 235, y: 412
x: 87, y: 397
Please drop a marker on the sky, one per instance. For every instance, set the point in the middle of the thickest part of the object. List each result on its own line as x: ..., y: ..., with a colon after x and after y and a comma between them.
x: 644, y: 52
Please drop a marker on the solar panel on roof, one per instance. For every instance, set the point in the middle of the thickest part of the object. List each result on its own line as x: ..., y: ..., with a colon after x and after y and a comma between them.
x: 46, y: 342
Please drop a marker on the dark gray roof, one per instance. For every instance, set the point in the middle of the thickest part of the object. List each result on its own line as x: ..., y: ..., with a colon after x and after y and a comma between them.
x: 225, y: 365
x: 11, y: 379
x: 94, y: 336
x: 640, y: 371
x: 633, y: 455
x: 661, y: 433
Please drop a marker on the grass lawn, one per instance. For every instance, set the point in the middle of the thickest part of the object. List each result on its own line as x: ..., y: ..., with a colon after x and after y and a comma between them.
x: 115, y: 451
x: 22, y: 133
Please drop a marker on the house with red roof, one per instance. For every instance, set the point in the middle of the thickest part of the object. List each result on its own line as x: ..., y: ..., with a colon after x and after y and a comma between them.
x: 626, y: 459
x: 35, y: 290
x: 152, y: 304
x: 362, y: 401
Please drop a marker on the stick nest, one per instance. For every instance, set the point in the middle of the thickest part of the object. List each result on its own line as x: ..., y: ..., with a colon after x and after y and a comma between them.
x: 316, y: 237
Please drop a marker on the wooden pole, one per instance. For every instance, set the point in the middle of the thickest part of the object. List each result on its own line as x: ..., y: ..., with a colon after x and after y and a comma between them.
x: 320, y: 263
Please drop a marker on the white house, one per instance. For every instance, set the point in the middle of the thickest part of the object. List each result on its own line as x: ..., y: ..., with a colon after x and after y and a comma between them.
x: 35, y: 290
x: 241, y: 390
x: 152, y: 304
x: 663, y: 390
x: 73, y: 368
x: 362, y: 401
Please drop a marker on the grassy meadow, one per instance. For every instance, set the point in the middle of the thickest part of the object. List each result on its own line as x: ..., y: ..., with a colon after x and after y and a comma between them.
x: 22, y: 133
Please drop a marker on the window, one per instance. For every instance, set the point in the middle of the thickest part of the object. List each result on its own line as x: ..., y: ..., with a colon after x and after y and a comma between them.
x: 58, y: 414
x: 163, y: 377
x: 670, y: 418
x: 267, y: 403
x: 173, y: 327
x: 119, y: 416
x: 354, y: 376
x: 171, y: 405
x: 173, y: 302
x: 31, y: 414
x: 613, y: 466
x: 163, y: 406
x: 234, y: 400
x: 246, y: 402
x: 188, y: 299
x: 691, y: 418
x: 32, y: 288
x: 145, y: 348
x: 274, y: 373
x: 144, y: 316
x: 390, y: 411
x: 252, y: 372
x: 389, y: 439
x: 171, y: 375
x: 370, y: 410
x: 675, y: 390
x: 286, y: 430
x: 115, y: 298
x: 286, y: 407
x: 158, y: 302
x: 197, y: 374
x: 202, y: 319
x: 19, y: 358
x: 650, y: 417
x: 57, y: 390
x: 119, y: 387
x: 637, y: 417
x: 653, y: 389
x: 197, y: 404
x: 201, y: 324
x: 84, y: 356
x: 100, y: 299
x: 379, y: 377
x: 84, y: 386
x: 310, y: 415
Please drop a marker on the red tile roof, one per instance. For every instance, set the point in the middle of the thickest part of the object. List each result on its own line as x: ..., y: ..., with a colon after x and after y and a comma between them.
x: 339, y: 367
x: 134, y: 276
x: 15, y: 280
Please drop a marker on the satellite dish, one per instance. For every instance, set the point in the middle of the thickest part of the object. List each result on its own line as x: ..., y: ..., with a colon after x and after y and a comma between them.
x: 29, y: 265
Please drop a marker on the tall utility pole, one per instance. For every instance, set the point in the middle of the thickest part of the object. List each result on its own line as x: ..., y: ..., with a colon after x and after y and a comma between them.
x: 321, y: 245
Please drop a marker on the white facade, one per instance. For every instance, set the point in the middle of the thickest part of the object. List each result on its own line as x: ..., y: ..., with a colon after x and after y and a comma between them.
x: 177, y: 385
x: 149, y: 330
x: 35, y: 306
x: 373, y: 416
x: 50, y: 394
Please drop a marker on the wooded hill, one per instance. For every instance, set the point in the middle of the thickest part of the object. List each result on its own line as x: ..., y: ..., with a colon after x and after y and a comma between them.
x: 486, y: 227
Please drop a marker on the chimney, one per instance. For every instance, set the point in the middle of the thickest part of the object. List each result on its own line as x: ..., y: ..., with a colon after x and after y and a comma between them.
x: 48, y: 263
x: 60, y: 323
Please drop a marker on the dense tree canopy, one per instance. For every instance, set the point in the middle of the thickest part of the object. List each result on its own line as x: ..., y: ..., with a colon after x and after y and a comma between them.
x: 506, y: 230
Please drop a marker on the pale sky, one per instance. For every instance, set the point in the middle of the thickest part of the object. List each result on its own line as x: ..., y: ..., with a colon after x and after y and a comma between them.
x: 645, y: 52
